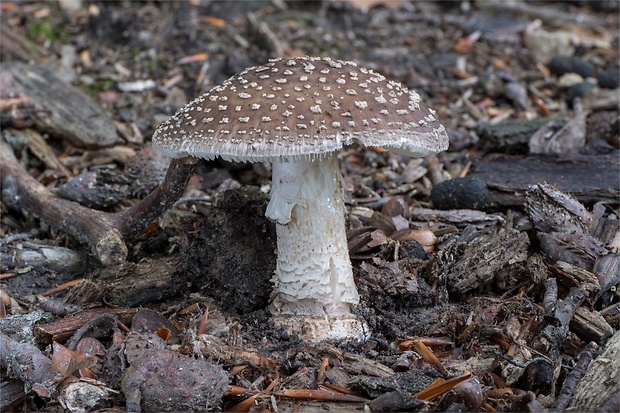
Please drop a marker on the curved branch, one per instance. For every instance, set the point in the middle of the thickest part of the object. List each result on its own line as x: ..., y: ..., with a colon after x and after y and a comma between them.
x: 105, y: 233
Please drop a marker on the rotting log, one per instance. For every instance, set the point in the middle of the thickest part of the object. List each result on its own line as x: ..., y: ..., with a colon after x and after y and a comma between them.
x: 105, y: 233
x: 149, y: 280
x: 509, y: 136
x: 588, y: 178
x: 12, y: 393
x: 62, y: 109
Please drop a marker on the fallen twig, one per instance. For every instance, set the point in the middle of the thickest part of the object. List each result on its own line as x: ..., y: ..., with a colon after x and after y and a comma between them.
x: 105, y: 233
x: 574, y: 377
x: 322, y: 395
x: 21, y: 191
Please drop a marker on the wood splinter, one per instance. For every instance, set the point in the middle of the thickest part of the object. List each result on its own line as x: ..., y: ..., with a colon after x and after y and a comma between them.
x: 104, y: 232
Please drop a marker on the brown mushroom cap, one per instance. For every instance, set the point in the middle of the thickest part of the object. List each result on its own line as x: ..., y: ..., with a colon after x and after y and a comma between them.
x: 291, y: 108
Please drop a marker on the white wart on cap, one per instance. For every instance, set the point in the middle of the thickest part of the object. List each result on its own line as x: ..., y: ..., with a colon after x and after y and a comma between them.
x: 297, y: 113
x: 301, y: 106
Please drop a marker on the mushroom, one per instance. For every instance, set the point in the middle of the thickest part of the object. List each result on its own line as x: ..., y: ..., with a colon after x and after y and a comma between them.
x: 297, y: 114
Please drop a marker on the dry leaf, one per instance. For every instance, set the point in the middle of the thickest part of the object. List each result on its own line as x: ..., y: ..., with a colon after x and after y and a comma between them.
x: 429, y: 357
x: 464, y: 45
x: 213, y: 21
x: 440, y: 386
x: 198, y: 57
x: 65, y: 362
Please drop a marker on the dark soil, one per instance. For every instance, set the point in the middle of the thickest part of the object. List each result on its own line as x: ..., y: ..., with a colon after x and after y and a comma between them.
x: 233, y: 257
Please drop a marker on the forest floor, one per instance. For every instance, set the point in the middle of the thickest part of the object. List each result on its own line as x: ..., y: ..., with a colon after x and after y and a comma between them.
x: 487, y: 273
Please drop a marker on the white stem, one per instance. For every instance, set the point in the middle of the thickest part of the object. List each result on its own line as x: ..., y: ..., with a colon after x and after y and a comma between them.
x: 313, y: 278
x: 285, y: 187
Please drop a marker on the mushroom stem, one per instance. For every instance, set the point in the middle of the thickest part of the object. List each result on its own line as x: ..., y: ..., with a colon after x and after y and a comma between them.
x: 314, y: 287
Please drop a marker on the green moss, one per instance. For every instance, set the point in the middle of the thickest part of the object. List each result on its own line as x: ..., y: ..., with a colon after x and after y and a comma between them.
x: 103, y: 84
x: 98, y: 85
x: 119, y: 302
x: 35, y: 163
x: 46, y: 30
x: 135, y: 51
x: 305, y: 19
x: 155, y: 63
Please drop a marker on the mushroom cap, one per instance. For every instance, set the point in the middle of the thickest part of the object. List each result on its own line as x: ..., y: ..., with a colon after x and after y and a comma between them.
x: 293, y: 108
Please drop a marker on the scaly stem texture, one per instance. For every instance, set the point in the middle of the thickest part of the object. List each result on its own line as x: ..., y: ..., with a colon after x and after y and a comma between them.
x: 313, y: 275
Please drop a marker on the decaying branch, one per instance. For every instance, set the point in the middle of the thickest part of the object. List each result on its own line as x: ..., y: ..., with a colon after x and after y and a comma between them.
x: 133, y: 220
x: 553, y: 332
x: 28, y: 363
x: 575, y: 376
x: 105, y: 233
x: 35, y: 255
